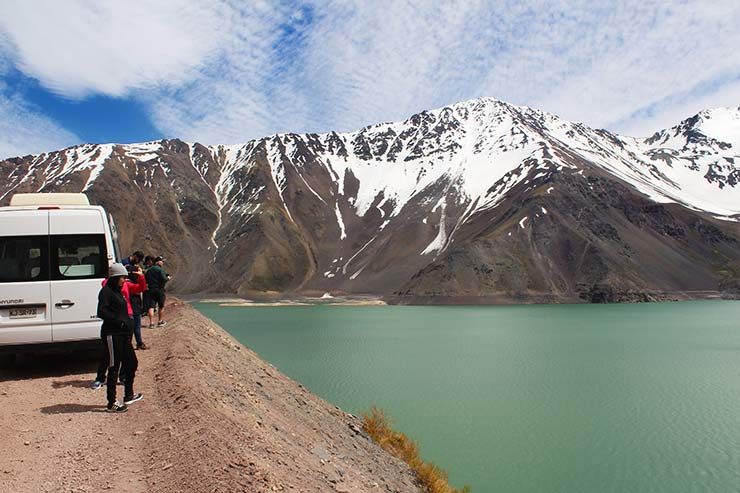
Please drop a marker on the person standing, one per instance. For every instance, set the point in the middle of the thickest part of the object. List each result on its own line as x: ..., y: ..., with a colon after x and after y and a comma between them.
x: 137, y: 285
x: 133, y: 286
x: 133, y: 259
x: 156, y: 279
x: 148, y: 263
x: 117, y: 329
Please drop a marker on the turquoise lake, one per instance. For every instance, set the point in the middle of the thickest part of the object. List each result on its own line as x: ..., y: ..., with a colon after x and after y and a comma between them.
x: 543, y: 398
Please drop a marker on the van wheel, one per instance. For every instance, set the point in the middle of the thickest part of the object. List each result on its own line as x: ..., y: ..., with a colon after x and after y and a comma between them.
x: 7, y: 360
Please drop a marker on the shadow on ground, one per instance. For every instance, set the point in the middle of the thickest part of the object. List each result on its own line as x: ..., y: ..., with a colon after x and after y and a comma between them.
x: 81, y: 383
x: 72, y: 408
x: 32, y: 365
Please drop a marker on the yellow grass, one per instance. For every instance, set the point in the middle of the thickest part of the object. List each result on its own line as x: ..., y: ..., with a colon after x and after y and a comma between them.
x: 430, y: 476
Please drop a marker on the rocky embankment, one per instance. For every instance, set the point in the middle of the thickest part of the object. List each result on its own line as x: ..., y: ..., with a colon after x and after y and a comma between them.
x: 215, y: 417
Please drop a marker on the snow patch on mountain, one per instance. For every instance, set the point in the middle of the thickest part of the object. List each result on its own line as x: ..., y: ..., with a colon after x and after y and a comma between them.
x: 722, y: 124
x: 342, y: 232
x: 440, y: 240
x: 358, y: 252
x: 144, y: 151
x: 277, y: 171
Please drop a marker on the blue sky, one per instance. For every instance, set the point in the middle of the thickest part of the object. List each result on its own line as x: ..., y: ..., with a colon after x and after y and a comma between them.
x: 95, y: 118
x: 226, y: 71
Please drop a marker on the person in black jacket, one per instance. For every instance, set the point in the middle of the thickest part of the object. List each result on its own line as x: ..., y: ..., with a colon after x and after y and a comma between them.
x: 117, y: 330
x: 131, y: 291
x: 156, y: 278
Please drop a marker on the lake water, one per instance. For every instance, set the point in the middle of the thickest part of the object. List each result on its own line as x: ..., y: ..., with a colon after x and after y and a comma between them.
x: 548, y: 398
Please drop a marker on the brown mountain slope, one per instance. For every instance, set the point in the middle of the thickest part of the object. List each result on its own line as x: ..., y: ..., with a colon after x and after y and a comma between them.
x: 427, y: 208
x: 593, y: 240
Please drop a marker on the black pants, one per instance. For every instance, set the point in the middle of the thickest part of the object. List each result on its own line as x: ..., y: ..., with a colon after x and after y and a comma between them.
x: 121, y: 355
x: 156, y: 298
x: 105, y: 359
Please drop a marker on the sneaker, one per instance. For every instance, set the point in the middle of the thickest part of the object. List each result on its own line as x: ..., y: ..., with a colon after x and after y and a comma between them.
x: 132, y: 399
x: 142, y: 346
x: 151, y: 326
x: 97, y: 384
x: 117, y: 407
x: 161, y: 323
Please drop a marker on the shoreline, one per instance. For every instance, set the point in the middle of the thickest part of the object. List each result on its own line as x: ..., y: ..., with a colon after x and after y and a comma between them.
x: 294, y: 300
x: 359, y: 300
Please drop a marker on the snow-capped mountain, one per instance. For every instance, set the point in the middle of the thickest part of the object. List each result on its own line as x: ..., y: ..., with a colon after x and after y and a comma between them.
x: 480, y: 198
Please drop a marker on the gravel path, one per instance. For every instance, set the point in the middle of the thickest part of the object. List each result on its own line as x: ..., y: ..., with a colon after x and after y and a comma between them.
x: 214, y: 417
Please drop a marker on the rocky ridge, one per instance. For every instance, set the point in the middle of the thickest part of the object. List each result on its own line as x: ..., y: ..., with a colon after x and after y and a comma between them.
x: 481, y: 200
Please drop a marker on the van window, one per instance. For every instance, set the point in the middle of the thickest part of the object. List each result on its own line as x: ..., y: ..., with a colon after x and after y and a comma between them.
x: 24, y: 258
x: 78, y: 257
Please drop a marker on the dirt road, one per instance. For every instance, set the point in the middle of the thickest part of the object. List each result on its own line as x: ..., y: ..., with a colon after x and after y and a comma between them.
x: 214, y: 418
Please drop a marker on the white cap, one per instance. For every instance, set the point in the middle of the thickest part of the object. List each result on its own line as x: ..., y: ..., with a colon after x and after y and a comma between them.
x: 117, y: 270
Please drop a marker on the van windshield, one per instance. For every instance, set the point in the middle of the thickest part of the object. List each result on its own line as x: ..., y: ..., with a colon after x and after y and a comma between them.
x: 24, y: 258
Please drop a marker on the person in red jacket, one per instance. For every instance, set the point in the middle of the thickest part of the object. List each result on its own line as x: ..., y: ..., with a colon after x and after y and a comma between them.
x: 137, y: 304
x: 129, y: 287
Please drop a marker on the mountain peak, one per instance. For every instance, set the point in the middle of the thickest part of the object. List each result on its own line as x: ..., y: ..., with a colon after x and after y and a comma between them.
x: 720, y: 112
x: 721, y: 124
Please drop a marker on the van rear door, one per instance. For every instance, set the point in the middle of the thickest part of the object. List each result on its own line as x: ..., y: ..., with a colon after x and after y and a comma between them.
x: 25, y: 315
x: 78, y: 264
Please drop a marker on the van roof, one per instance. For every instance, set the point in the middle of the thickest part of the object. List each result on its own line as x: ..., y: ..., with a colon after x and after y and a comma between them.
x: 21, y: 199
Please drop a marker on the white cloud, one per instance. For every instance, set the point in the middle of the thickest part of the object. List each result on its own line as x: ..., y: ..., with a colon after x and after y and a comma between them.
x: 625, y: 66
x: 233, y: 98
x: 668, y: 113
x: 23, y: 128
x: 646, y: 66
x: 228, y: 71
x: 77, y: 48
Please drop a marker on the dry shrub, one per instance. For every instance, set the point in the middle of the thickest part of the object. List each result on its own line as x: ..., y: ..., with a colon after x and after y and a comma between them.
x: 430, y: 476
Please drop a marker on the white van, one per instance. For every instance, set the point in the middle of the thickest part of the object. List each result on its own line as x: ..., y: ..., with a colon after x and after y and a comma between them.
x: 55, y: 249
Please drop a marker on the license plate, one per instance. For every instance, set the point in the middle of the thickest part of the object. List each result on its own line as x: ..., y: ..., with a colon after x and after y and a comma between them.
x: 15, y: 313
